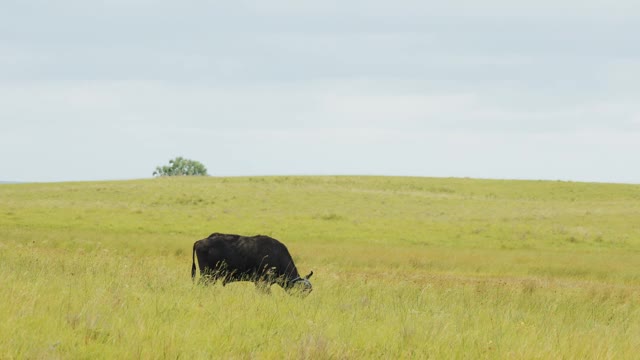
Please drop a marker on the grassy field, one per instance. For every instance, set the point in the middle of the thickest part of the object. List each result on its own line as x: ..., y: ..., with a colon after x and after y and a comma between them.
x: 404, y: 268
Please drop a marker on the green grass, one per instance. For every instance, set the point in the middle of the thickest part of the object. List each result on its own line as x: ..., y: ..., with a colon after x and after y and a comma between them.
x: 404, y: 268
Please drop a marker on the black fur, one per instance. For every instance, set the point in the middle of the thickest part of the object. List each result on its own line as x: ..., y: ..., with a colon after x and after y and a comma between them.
x: 261, y: 259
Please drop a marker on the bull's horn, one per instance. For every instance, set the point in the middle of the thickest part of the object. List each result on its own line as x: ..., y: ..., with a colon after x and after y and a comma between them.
x: 308, y: 276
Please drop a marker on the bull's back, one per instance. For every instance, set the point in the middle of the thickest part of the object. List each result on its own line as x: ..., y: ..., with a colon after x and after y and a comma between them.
x: 242, y: 253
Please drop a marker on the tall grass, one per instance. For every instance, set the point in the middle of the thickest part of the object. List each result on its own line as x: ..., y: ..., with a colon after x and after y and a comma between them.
x: 404, y: 268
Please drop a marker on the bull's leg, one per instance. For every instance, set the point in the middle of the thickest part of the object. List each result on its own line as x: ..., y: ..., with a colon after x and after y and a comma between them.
x: 208, y: 276
x: 207, y: 279
x: 263, y: 287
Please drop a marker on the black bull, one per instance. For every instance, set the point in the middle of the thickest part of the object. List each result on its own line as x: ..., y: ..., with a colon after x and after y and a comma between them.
x: 260, y: 259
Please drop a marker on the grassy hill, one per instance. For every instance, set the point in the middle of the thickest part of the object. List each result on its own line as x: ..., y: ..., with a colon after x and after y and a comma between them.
x: 405, y: 267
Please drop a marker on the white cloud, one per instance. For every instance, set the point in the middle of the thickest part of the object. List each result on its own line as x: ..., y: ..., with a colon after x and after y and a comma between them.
x: 342, y: 104
x: 450, y: 88
x: 549, y: 8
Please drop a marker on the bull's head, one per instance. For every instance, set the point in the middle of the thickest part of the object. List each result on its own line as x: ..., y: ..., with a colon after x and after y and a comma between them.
x: 301, y: 285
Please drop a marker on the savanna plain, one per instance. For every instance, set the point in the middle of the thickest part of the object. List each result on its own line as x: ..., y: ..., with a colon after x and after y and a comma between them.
x: 403, y: 268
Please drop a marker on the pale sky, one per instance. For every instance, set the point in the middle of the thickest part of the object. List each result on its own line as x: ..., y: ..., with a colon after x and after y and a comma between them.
x: 101, y: 90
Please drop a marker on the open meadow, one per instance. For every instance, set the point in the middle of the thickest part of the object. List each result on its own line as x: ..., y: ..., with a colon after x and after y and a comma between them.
x: 404, y: 268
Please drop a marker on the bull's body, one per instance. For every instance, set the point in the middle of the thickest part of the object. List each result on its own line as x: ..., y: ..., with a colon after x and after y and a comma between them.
x: 260, y: 259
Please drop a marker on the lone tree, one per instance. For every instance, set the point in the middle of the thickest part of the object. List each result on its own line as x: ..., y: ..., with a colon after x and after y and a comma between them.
x: 181, y: 167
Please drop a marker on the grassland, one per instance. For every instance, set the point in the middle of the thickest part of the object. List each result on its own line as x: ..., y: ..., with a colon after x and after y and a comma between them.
x: 404, y: 268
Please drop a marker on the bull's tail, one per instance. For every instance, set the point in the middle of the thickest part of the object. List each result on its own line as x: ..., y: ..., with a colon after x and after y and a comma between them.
x: 193, y: 263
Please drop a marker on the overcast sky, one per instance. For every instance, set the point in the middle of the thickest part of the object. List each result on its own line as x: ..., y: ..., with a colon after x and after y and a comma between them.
x: 93, y: 90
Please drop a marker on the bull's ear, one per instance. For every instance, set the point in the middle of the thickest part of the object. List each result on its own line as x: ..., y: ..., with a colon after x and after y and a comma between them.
x: 308, y: 276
